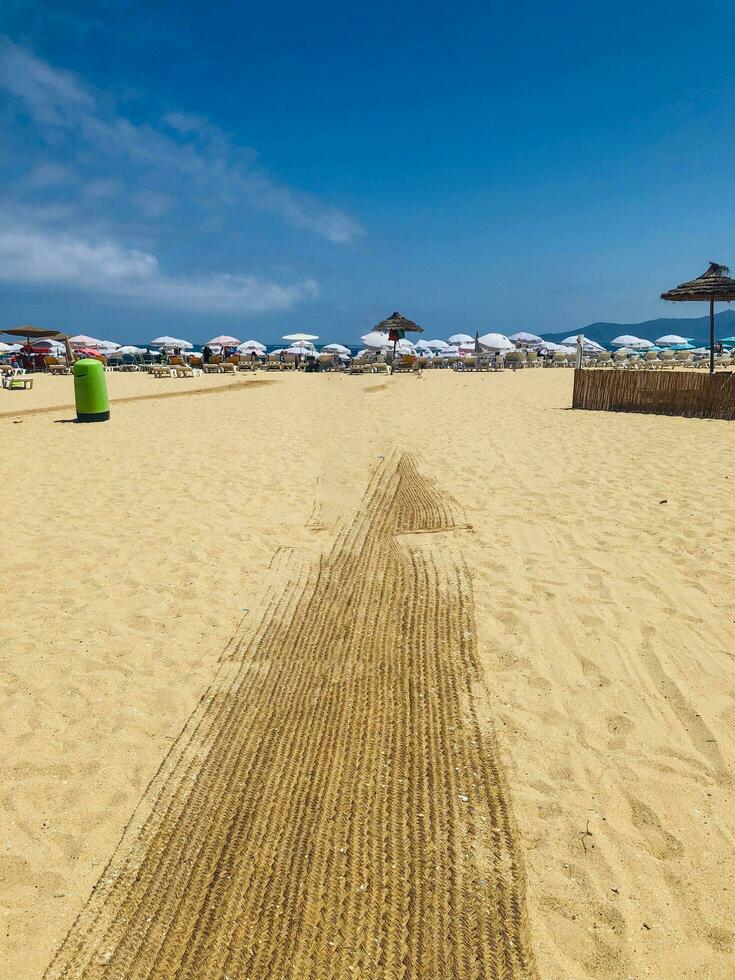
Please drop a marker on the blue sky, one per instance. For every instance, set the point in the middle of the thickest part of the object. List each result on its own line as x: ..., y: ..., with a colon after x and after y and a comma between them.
x: 195, y: 168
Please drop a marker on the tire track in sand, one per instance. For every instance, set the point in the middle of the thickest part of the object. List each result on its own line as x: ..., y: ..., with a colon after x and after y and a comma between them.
x: 333, y: 808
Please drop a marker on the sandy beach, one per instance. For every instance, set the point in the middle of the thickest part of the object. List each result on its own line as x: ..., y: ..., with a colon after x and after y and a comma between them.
x: 578, y: 570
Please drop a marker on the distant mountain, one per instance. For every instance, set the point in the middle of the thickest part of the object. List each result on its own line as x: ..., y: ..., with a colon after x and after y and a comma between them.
x: 696, y: 327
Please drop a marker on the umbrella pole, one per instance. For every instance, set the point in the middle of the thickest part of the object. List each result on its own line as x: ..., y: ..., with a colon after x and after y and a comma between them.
x: 712, y: 336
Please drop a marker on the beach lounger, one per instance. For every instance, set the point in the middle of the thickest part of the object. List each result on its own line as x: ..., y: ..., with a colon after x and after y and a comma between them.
x: 162, y: 371
x: 211, y: 368
x: 517, y: 359
x: 17, y: 382
x: 228, y: 368
x: 55, y: 366
x: 404, y: 364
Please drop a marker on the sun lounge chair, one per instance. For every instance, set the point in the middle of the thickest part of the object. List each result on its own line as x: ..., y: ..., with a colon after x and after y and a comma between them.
x: 55, y: 366
x: 516, y: 359
x: 162, y: 371
x: 17, y: 382
x: 211, y: 368
x: 228, y: 368
x: 327, y: 362
x: 404, y: 363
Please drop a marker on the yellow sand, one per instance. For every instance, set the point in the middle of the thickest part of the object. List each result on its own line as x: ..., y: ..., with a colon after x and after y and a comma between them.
x: 604, y: 616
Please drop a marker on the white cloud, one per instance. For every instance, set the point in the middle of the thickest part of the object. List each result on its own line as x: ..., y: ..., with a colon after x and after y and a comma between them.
x: 52, y: 95
x: 49, y: 175
x: 184, y: 152
x: 32, y: 256
x: 28, y: 255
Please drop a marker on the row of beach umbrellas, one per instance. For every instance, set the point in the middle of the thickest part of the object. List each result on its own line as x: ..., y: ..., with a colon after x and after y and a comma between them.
x: 715, y: 284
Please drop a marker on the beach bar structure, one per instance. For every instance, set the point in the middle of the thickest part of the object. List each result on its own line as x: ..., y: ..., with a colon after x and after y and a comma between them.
x: 714, y: 285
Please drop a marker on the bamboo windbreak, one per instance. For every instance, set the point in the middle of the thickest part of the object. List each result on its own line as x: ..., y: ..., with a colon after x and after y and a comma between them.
x: 335, y: 807
x: 663, y: 393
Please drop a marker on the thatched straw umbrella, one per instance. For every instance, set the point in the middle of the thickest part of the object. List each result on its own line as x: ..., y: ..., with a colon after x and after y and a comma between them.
x: 396, y: 326
x: 714, y: 284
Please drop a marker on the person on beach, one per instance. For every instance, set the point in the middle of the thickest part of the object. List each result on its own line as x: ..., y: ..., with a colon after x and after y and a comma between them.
x: 207, y: 353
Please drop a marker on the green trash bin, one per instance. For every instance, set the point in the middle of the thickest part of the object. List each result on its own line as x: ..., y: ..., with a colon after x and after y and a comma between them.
x: 90, y: 391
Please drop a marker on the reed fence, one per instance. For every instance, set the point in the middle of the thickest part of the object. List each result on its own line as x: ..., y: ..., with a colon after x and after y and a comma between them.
x: 656, y: 392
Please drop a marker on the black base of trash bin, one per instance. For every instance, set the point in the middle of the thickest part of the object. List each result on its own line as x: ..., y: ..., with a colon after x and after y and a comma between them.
x: 93, y: 416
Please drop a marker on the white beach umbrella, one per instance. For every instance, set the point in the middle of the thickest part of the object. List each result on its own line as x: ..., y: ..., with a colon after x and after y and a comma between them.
x: 250, y: 345
x: 377, y: 340
x: 300, y: 337
x: 130, y: 349
x: 166, y: 341
x: 47, y: 343
x: 335, y: 349
x: 672, y: 338
x: 495, y: 342
x: 450, y: 351
x: 109, y: 345
x: 531, y: 339
x: 82, y: 340
x: 461, y: 338
x: 223, y: 341
x: 436, y: 344
x: 299, y: 349
x: 628, y: 340
x: 9, y: 348
x: 588, y: 345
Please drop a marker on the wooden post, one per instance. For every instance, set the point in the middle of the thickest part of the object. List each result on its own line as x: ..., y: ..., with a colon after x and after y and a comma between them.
x: 712, y: 336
